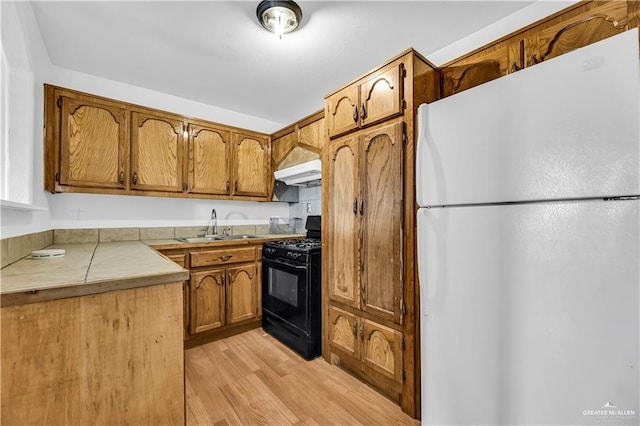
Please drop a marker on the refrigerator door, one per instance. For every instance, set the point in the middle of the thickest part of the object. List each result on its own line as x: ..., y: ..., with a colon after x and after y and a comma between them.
x: 565, y: 128
x: 530, y: 313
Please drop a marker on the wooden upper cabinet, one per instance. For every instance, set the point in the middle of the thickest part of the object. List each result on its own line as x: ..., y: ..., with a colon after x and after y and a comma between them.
x: 381, y: 95
x: 252, y: 171
x: 342, y: 112
x: 344, y: 204
x: 579, y: 27
x: 488, y: 64
x: 282, y: 146
x: 312, y: 135
x: 242, y: 293
x: 93, y: 148
x: 209, y: 160
x: 157, y: 152
x: 382, y: 349
x: 381, y: 213
x: 207, y: 298
x: 370, y: 100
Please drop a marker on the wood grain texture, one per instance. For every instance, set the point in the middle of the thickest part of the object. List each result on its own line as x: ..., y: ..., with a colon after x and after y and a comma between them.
x: 343, y: 331
x: 382, y: 349
x: 381, y: 95
x: 242, y: 294
x: 157, y: 152
x: 113, y: 358
x: 381, y: 214
x: 252, y: 378
x: 633, y: 14
x: 282, y: 146
x: 92, y: 144
x: 343, y: 223
x: 221, y: 256
x: 252, y: 160
x: 209, y: 160
x: 580, y: 27
x: 207, y: 297
x: 341, y: 111
x: 312, y: 135
x: 297, y: 156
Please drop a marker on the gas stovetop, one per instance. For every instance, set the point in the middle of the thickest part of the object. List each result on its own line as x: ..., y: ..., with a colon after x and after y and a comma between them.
x: 305, y: 245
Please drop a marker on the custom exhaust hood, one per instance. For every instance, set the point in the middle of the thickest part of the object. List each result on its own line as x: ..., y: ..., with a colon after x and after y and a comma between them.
x: 304, y: 174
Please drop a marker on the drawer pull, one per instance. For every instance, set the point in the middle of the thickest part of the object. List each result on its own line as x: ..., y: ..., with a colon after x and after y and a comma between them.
x: 225, y: 257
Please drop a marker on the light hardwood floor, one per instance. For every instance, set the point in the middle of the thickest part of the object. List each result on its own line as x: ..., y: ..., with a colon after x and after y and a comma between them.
x: 253, y: 379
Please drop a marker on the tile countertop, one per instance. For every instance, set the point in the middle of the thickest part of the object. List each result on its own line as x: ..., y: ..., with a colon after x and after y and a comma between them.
x: 92, y: 268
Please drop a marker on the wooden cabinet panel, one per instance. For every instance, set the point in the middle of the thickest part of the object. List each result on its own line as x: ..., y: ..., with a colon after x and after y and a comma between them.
x: 222, y: 256
x: 312, y: 135
x: 343, y: 331
x: 381, y: 95
x: 381, y: 212
x: 342, y: 113
x: 382, y: 349
x: 282, y: 146
x: 93, y: 151
x: 580, y: 27
x: 207, y: 297
x: 488, y: 64
x: 342, y: 198
x: 242, y: 298
x: 209, y: 149
x: 251, y: 165
x: 156, y: 152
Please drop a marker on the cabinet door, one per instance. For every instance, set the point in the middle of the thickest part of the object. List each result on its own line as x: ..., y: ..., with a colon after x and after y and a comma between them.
x: 488, y: 64
x: 156, y: 152
x: 381, y: 95
x: 251, y: 165
x: 382, y: 349
x: 312, y: 135
x: 343, y: 331
x: 342, y: 113
x: 342, y: 198
x: 282, y: 146
x: 381, y: 213
x: 242, y: 293
x: 93, y: 151
x: 209, y: 149
x: 207, y: 300
x: 577, y: 28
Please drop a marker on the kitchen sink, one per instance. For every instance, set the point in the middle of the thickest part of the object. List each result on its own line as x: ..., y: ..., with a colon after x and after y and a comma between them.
x: 200, y: 239
x: 216, y: 238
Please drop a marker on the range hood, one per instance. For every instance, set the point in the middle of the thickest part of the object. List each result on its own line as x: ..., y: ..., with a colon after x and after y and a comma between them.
x: 304, y: 174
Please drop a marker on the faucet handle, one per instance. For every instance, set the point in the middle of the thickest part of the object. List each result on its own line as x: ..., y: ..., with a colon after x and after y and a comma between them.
x: 202, y: 232
x: 225, y: 232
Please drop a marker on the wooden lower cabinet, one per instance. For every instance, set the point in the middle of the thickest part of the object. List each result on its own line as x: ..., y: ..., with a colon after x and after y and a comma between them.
x: 206, y: 294
x: 374, y: 346
x: 242, y: 293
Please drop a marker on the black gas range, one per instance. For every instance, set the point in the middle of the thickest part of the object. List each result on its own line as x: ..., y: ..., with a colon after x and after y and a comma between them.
x: 291, y: 290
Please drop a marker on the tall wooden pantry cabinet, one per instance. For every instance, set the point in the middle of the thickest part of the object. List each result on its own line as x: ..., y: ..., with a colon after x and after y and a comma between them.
x: 369, y: 274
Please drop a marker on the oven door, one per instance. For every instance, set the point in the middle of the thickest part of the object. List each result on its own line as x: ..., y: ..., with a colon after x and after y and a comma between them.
x: 284, y: 291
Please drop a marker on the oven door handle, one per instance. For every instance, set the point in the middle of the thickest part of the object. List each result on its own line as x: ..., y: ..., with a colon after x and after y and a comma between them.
x: 287, y: 265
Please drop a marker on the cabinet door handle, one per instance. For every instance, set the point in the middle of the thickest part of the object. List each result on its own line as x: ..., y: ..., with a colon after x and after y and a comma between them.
x: 134, y: 178
x: 121, y: 179
x: 227, y: 186
x: 225, y: 257
x: 355, y: 206
x: 515, y: 67
x: 355, y: 113
x: 361, y: 331
x: 363, y: 112
x: 354, y: 329
x: 235, y: 187
x: 361, y: 207
x: 224, y: 280
x: 534, y: 59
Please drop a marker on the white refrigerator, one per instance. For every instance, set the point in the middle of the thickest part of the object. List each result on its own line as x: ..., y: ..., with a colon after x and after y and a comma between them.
x: 529, y: 244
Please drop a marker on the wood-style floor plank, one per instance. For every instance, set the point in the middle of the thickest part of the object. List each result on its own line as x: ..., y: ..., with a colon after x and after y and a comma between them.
x: 253, y: 379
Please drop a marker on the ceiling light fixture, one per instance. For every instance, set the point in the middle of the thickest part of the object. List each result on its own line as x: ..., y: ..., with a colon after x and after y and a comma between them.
x: 280, y: 17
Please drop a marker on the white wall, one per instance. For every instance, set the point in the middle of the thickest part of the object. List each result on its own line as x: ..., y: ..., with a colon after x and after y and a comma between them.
x: 86, y: 210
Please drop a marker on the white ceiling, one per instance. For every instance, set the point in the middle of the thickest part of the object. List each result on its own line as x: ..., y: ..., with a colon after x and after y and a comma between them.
x: 215, y: 52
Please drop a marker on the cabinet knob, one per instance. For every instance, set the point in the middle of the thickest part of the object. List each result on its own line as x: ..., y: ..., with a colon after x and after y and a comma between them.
x: 355, y: 206
x: 361, y: 207
x: 134, y: 178
x: 363, y: 111
x: 355, y: 113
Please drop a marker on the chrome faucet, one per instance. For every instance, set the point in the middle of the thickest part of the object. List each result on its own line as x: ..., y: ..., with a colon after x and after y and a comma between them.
x: 213, y: 222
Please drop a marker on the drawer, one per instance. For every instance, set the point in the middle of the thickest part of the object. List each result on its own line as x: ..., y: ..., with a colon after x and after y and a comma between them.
x: 180, y: 259
x: 222, y: 256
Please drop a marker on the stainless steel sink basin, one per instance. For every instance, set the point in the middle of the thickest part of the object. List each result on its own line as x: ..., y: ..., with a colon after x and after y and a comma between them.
x: 241, y: 237
x: 200, y: 239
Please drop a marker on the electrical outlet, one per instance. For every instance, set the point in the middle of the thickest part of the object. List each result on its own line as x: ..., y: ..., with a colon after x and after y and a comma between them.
x: 308, y: 207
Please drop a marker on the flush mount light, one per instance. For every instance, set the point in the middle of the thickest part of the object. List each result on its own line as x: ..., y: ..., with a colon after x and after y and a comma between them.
x: 280, y: 17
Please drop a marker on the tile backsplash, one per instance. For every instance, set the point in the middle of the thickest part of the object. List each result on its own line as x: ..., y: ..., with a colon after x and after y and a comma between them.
x: 308, y: 196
